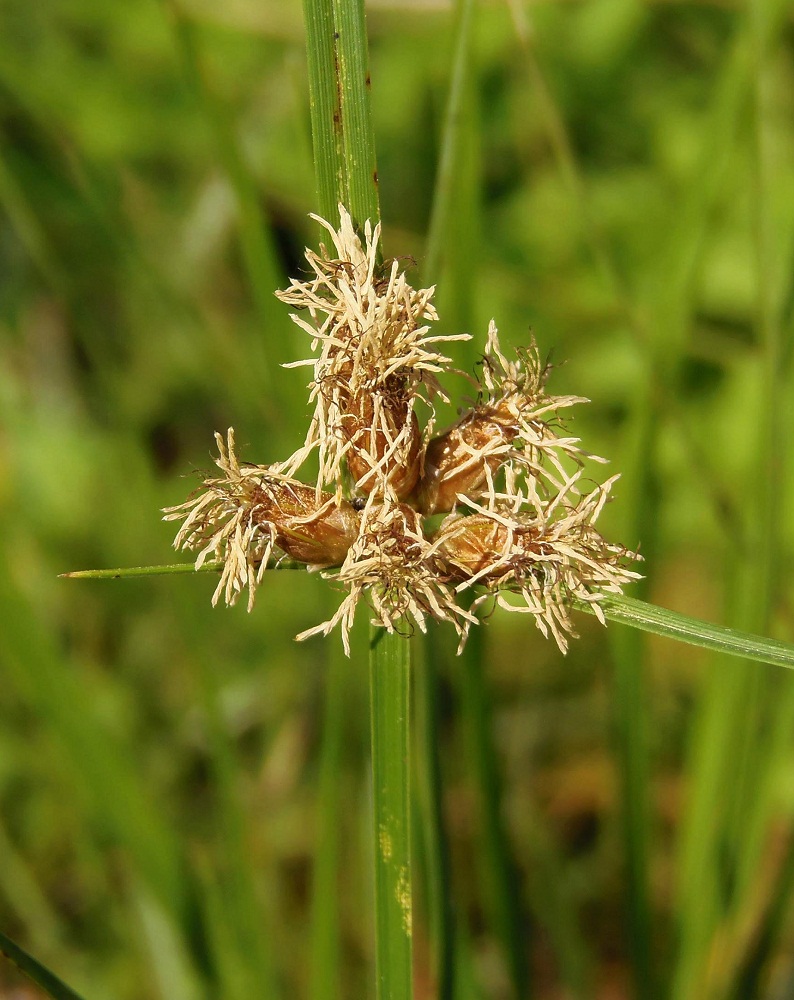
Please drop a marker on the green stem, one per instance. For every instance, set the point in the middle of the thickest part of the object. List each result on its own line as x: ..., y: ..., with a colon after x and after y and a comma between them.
x: 325, y: 910
x: 339, y: 89
x: 390, y: 704
x: 323, y: 100
x: 344, y: 163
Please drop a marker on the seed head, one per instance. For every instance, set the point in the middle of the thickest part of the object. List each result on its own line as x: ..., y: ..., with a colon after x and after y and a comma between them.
x: 516, y: 420
x: 520, y: 525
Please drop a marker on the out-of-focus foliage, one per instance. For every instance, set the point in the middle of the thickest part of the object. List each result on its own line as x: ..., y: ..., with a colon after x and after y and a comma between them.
x: 624, y: 191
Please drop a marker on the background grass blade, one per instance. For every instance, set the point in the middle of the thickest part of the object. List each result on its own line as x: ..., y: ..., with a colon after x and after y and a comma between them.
x: 40, y: 975
x: 498, y: 874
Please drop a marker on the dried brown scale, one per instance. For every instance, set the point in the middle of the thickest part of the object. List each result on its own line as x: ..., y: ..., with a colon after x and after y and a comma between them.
x: 476, y: 545
x: 384, y: 442
x: 307, y: 531
x: 460, y: 460
x: 471, y: 545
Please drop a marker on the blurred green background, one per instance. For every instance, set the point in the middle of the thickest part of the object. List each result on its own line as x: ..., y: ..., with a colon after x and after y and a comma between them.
x: 623, y: 189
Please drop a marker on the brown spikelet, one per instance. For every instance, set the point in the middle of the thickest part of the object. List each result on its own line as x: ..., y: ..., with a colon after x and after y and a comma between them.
x: 464, y: 459
x: 384, y: 440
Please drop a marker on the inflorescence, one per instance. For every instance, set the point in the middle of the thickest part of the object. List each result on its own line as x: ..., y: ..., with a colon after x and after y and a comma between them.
x: 517, y: 518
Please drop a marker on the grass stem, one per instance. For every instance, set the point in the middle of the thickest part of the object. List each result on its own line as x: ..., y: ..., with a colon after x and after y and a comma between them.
x: 390, y: 714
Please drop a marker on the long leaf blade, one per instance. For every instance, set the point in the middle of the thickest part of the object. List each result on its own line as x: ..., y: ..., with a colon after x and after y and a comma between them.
x: 674, y: 625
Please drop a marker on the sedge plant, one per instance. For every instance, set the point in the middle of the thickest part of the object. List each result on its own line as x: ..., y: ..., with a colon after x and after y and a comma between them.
x: 514, y: 523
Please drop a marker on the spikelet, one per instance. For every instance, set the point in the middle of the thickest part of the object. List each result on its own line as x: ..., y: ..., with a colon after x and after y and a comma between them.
x: 253, y: 513
x: 376, y: 359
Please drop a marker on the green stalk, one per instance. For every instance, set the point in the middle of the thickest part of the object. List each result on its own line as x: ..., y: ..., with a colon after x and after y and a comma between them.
x: 339, y: 86
x: 325, y: 910
x: 344, y: 154
x: 329, y: 166
x: 390, y: 705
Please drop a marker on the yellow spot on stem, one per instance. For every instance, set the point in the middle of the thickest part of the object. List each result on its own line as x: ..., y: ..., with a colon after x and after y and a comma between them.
x: 403, y: 894
x: 384, y: 838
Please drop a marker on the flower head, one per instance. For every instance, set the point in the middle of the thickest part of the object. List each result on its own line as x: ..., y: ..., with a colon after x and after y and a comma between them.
x: 519, y: 523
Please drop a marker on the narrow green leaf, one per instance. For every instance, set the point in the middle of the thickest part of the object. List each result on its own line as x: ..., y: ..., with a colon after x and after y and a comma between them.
x: 673, y: 625
x: 40, y: 975
x: 128, y: 572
